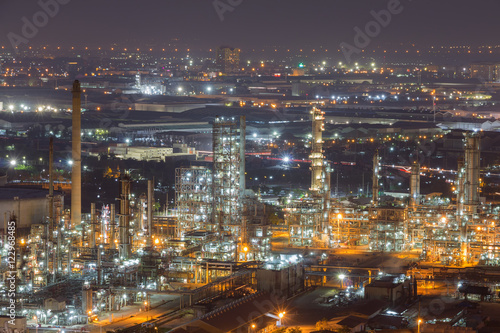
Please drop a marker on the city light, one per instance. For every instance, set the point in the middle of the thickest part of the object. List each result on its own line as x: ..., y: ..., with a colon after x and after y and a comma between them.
x: 210, y: 170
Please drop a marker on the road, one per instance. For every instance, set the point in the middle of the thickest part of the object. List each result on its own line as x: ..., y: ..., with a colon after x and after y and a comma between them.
x: 131, y: 315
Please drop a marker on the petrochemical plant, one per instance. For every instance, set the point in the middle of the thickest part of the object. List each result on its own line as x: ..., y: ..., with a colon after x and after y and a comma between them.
x: 120, y: 254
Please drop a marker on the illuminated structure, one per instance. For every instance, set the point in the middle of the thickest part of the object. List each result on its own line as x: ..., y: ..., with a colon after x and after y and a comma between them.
x: 227, y: 59
x: 193, y: 190
x: 471, y: 180
x: 309, y: 220
x: 124, y: 245
x: 376, y: 179
x: 415, y: 184
x: 226, y: 209
x: 76, y: 170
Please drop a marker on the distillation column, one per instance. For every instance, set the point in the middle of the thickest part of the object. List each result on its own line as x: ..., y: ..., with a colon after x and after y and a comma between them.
x: 52, y: 228
x: 472, y: 164
x: 376, y: 179
x: 93, y: 222
x: 415, y: 184
x: 469, y: 187
x: 243, y: 133
x: 317, y: 158
x: 76, y: 171
x: 226, y: 211
x: 112, y: 221
x: 149, y: 233
x: 460, y: 187
x: 320, y: 171
x: 124, y: 238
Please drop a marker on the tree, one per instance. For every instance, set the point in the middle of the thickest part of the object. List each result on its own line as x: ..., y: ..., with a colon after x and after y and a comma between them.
x: 294, y: 330
x: 323, y: 325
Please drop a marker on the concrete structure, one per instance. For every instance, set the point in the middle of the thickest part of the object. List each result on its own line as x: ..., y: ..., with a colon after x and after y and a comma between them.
x: 389, y: 288
x: 281, y: 281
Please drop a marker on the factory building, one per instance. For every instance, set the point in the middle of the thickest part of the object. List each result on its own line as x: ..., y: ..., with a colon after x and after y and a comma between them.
x: 28, y: 206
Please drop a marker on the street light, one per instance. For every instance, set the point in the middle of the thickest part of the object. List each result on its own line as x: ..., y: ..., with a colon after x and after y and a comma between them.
x: 281, y: 315
x: 245, y: 249
x: 419, y: 322
x: 342, y: 277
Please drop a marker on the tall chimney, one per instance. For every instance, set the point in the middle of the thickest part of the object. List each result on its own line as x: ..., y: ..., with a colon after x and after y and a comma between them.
x: 415, y: 184
x: 149, y: 239
x: 113, y: 226
x: 317, y: 158
x: 243, y: 133
x: 76, y: 171
x: 376, y: 179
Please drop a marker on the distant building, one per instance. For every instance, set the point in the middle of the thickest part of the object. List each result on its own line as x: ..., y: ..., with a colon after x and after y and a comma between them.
x: 20, y: 324
x: 485, y: 71
x: 158, y: 154
x: 29, y: 206
x: 227, y: 59
x: 389, y: 289
x: 54, y: 304
x: 282, y: 281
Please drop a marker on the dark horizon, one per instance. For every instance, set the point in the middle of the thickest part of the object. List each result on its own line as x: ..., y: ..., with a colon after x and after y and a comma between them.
x: 251, y: 24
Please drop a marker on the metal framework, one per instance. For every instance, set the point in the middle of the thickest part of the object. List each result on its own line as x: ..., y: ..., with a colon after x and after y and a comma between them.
x: 226, y: 211
x: 193, y: 189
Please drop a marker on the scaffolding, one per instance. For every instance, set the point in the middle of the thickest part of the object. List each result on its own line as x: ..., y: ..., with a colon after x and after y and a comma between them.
x: 350, y: 226
x: 193, y: 190
x: 303, y: 218
x: 387, y: 229
x: 226, y: 209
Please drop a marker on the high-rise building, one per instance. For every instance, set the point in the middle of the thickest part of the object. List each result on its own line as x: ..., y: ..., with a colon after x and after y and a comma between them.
x: 227, y: 59
x: 485, y: 71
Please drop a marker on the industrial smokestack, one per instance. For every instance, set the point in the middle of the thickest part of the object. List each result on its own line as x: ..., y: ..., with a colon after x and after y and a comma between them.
x: 415, y: 184
x: 93, y: 219
x: 124, y: 238
x: 243, y: 131
x: 149, y: 240
x: 76, y: 171
x: 50, y: 238
x: 317, y: 158
x: 51, y: 187
x: 472, y: 164
x: 112, y: 221
x: 376, y: 177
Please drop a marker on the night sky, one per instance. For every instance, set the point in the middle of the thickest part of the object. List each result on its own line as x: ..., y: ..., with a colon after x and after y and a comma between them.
x: 254, y: 23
